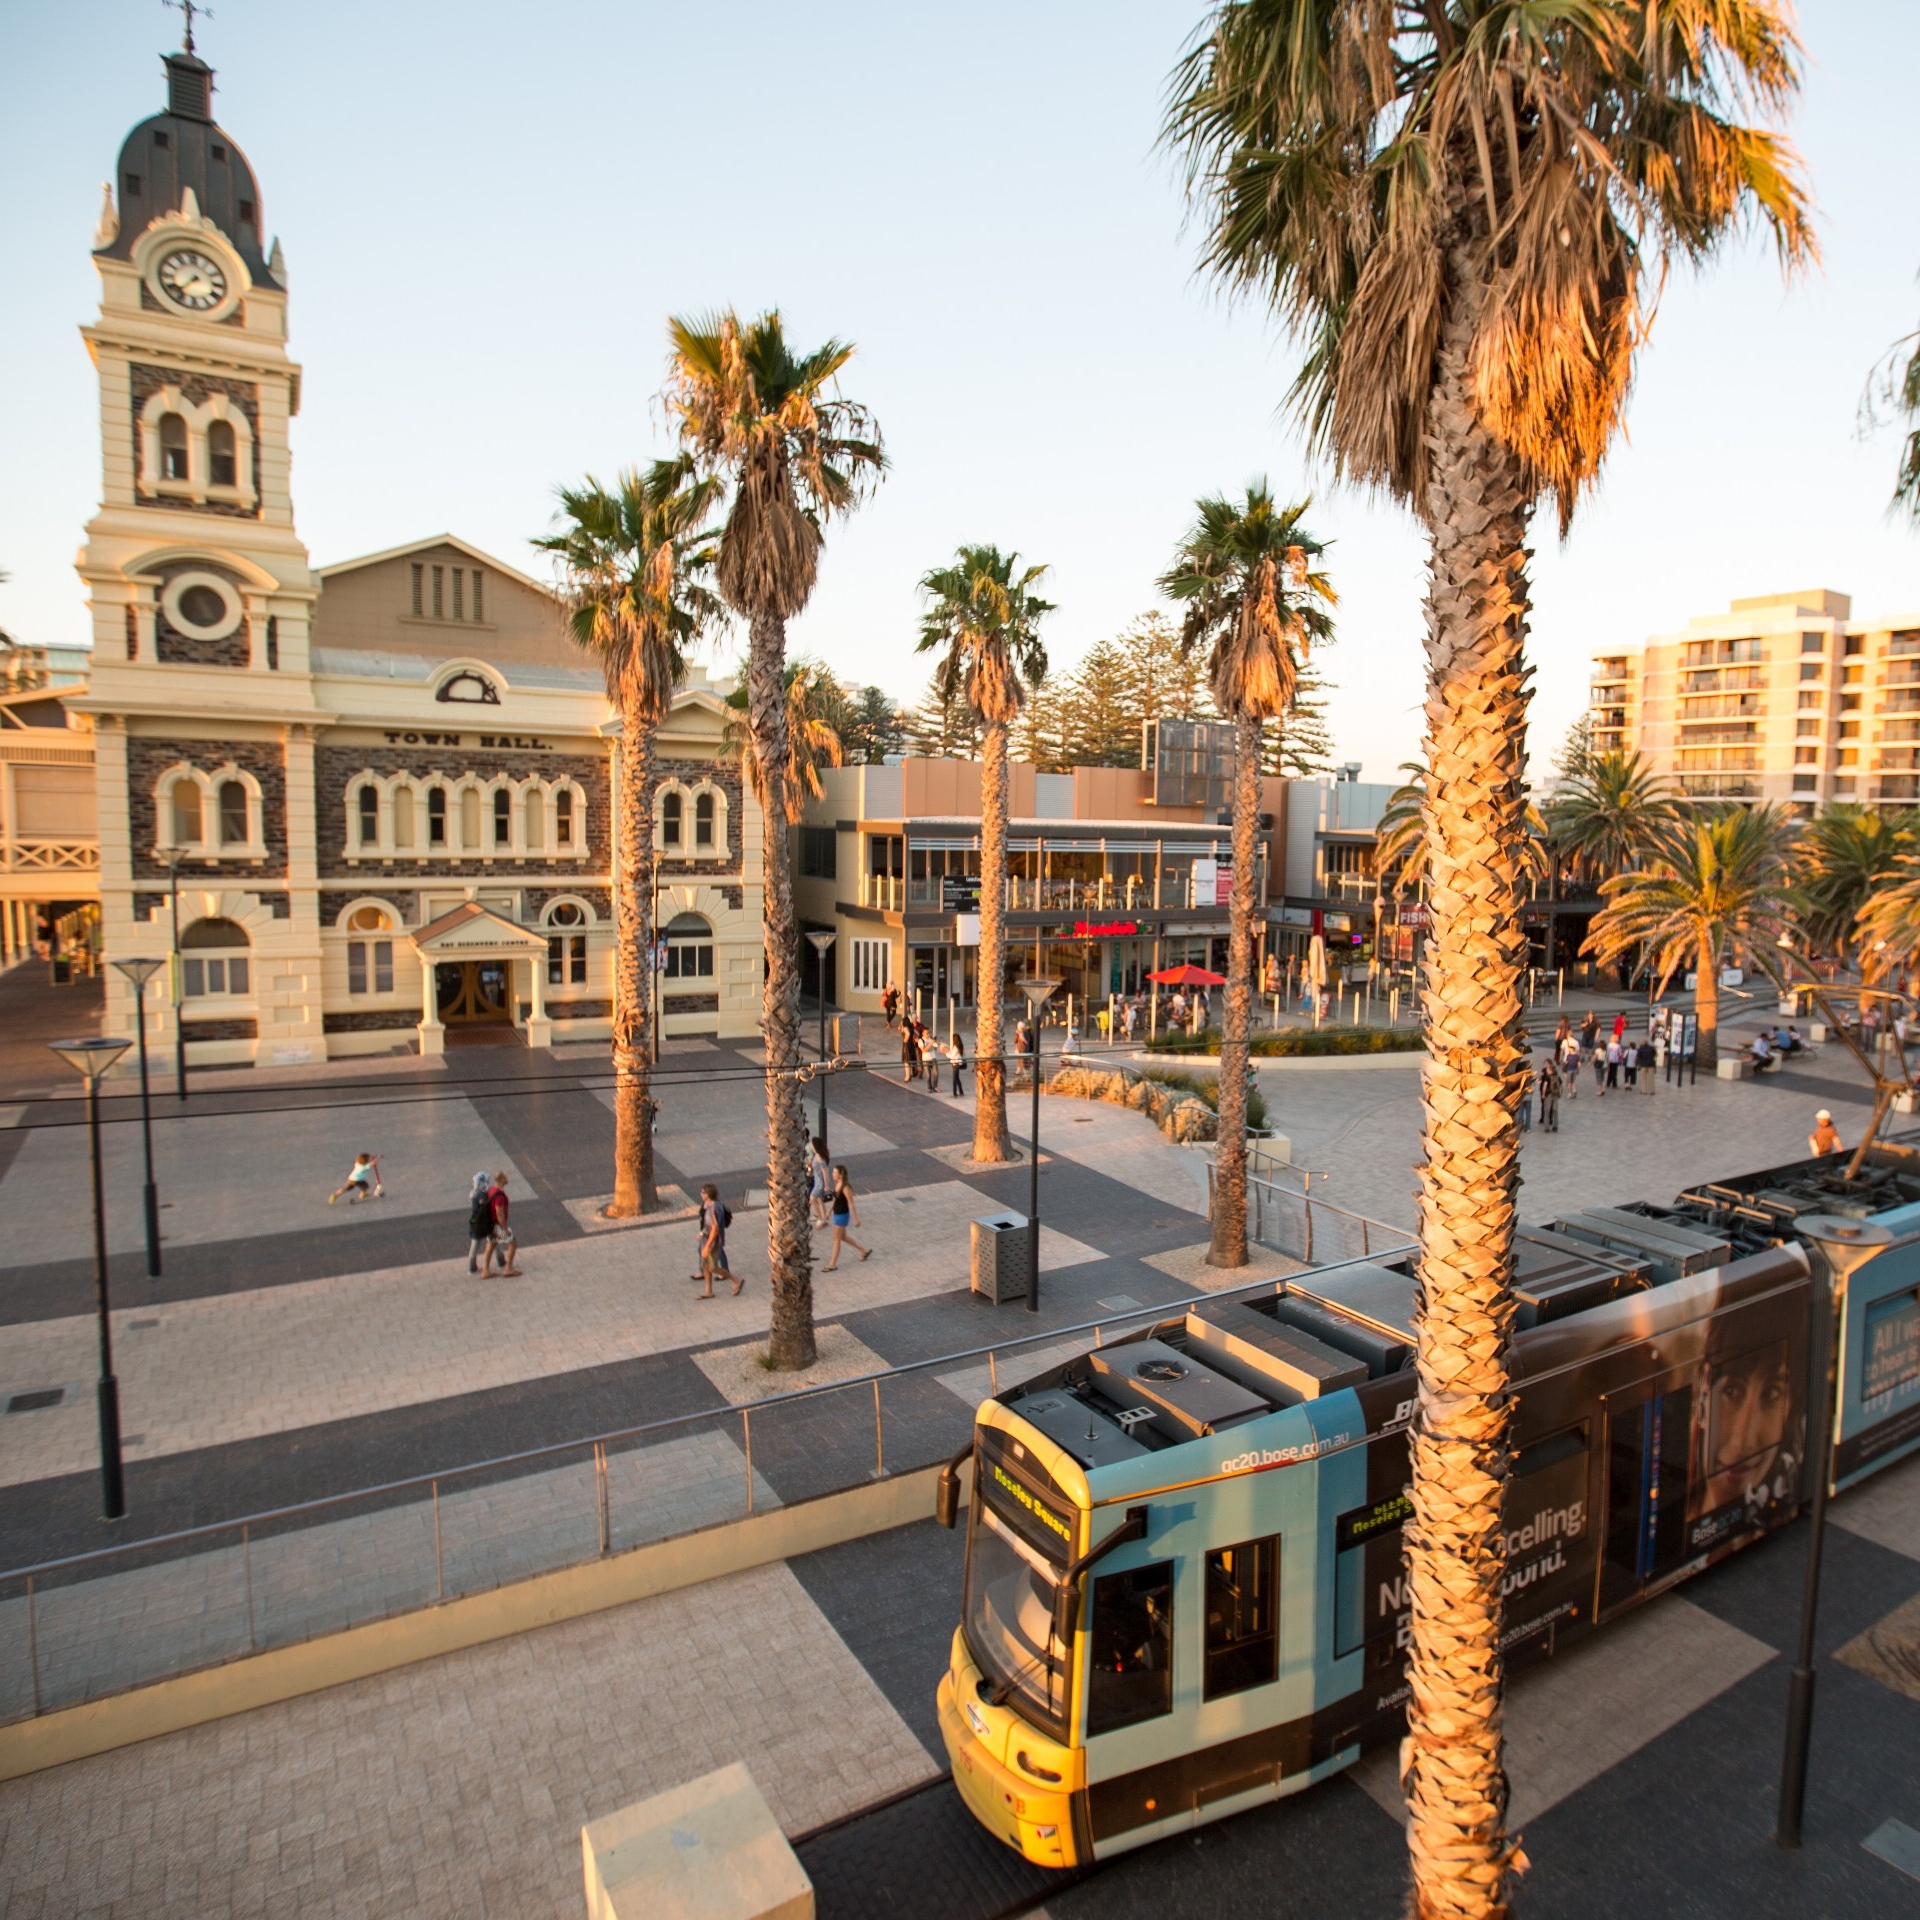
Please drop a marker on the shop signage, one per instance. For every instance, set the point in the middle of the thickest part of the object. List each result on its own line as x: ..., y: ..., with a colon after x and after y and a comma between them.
x: 959, y: 893
x: 1414, y: 914
x: 966, y: 929
x: 1104, y: 929
x: 513, y: 742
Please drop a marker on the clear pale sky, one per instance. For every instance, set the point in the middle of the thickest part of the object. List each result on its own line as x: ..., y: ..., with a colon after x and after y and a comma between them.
x: 488, y: 210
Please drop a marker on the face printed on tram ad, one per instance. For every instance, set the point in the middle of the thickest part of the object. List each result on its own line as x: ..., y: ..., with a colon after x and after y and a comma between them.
x: 1745, y: 1464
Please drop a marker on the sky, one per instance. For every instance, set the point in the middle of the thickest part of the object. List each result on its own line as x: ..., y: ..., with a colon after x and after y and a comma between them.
x: 488, y: 212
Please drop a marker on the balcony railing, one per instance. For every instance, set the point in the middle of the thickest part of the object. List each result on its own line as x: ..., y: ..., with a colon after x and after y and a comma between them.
x: 49, y: 856
x: 1720, y: 786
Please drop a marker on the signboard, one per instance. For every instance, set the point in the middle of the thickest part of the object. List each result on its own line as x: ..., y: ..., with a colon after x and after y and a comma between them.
x: 966, y: 929
x: 660, y: 956
x: 960, y: 893
x: 1414, y: 913
x: 1104, y: 929
x: 1212, y: 883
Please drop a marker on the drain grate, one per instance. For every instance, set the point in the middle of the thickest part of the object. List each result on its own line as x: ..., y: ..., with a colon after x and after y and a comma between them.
x: 140, y: 1326
x: 34, y: 1401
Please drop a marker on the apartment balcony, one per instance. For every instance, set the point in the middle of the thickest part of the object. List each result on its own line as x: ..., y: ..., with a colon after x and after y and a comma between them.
x: 49, y: 856
x: 1902, y: 788
x: 1071, y: 894
x: 1719, y: 786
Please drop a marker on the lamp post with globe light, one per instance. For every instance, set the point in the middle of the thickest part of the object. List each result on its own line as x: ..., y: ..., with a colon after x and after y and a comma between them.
x: 821, y: 941
x: 138, y: 973
x: 91, y: 1058
x: 1038, y: 991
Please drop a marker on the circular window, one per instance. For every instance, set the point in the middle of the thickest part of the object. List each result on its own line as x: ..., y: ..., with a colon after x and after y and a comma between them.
x: 369, y: 920
x: 566, y: 914
x: 202, y: 606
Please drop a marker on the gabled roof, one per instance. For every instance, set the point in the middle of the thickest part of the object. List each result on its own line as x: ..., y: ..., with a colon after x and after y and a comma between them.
x: 483, y: 927
x: 437, y: 540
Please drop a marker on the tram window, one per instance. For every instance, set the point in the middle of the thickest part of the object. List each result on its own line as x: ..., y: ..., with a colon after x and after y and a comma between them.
x: 1243, y: 1616
x: 1132, y: 1675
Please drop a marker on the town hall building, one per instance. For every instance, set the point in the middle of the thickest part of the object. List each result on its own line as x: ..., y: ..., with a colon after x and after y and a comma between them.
x: 368, y: 805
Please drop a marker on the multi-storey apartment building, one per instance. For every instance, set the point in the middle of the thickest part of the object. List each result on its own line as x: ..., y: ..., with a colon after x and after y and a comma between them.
x: 1784, y: 697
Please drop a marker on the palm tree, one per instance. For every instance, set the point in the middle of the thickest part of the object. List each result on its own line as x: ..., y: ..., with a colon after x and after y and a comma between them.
x: 1458, y: 206
x: 1849, y: 854
x: 634, y: 558
x: 1610, y: 812
x: 982, y: 611
x: 1717, y: 888
x: 1400, y: 834
x: 1245, y: 575
x: 1889, y: 923
x: 818, y: 715
x: 772, y: 423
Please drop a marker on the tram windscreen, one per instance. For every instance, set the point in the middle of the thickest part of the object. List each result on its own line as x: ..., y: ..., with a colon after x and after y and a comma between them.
x: 1018, y: 1544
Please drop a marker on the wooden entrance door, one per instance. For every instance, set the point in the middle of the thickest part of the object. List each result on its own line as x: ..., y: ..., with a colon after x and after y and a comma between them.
x: 474, y: 992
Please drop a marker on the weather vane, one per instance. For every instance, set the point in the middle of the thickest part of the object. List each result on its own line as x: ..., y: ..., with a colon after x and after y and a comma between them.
x: 189, y: 8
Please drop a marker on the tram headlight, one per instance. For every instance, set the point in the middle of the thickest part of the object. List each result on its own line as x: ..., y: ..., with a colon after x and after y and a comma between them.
x: 976, y: 1720
x: 1038, y: 1772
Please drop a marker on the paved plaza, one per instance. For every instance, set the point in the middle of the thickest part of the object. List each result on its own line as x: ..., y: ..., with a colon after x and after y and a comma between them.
x: 293, y: 1351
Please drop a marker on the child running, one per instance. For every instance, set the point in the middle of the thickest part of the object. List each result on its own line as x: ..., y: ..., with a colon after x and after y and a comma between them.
x: 845, y: 1214
x: 363, y: 1183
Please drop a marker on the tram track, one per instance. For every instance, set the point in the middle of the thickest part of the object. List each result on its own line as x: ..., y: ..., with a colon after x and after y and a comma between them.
x: 921, y: 1852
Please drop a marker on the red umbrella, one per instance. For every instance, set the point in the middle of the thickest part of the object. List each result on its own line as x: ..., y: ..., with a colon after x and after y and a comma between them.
x: 1188, y: 976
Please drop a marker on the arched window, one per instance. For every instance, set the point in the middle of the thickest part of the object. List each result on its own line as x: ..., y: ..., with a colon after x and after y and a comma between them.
x: 563, y: 817
x: 223, y: 467
x: 671, y: 805
x: 703, y: 822
x: 369, y: 962
x: 173, y: 447
x: 536, y: 820
x: 502, y: 817
x: 436, y: 816
x: 689, y: 948
x: 567, y: 945
x: 470, y: 819
x: 403, y: 816
x: 233, y: 814
x: 214, y: 959
x: 369, y: 816
x: 187, y: 813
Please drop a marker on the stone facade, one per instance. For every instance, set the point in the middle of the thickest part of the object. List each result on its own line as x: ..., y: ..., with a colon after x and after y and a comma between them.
x: 145, y: 380
x: 149, y: 756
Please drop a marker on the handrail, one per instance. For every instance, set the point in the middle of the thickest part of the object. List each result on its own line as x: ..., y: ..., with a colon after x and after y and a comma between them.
x: 423, y: 1480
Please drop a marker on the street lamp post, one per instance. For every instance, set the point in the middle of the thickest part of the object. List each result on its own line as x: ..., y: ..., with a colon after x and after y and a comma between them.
x: 172, y: 856
x: 138, y: 973
x: 90, y: 1058
x: 1039, y: 992
x: 821, y: 941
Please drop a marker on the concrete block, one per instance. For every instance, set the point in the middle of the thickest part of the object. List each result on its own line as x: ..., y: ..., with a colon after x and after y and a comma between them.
x: 1816, y: 1033
x: 1908, y: 1102
x: 710, y: 1850
x: 1735, y: 1069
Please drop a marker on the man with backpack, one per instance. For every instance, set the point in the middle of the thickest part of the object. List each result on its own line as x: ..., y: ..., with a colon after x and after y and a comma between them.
x: 504, y: 1242
x: 715, y: 1218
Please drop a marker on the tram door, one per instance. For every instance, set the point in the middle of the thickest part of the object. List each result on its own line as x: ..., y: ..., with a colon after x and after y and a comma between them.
x: 1649, y: 1443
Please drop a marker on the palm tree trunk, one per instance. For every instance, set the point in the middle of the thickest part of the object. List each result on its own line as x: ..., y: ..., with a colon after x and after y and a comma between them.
x: 1453, y: 1764
x: 633, y: 1176
x: 789, y: 1239
x: 1229, y: 1247
x: 990, y: 1141
x: 1706, y: 1002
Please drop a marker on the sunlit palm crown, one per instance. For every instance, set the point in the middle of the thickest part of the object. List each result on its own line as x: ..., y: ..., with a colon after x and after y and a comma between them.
x: 983, y: 612
x: 634, y: 560
x: 1720, y: 876
x: 1611, y: 813
x: 796, y: 453
x: 819, y: 716
x: 1245, y: 575
x: 1849, y: 856
x: 1353, y: 161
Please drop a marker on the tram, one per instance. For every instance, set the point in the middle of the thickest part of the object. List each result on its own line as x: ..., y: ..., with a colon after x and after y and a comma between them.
x: 1184, y: 1589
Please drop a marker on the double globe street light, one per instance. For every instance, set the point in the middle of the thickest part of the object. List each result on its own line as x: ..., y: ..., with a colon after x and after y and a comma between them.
x: 92, y: 1058
x: 1039, y: 990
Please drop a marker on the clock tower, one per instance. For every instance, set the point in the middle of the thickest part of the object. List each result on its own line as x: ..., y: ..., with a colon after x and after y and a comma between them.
x: 199, y: 587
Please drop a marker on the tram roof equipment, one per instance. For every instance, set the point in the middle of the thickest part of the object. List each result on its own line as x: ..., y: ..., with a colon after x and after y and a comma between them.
x: 1255, y: 1349
x: 1153, y: 1382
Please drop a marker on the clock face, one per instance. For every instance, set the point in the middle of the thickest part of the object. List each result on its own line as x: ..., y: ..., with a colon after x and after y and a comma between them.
x: 191, y: 280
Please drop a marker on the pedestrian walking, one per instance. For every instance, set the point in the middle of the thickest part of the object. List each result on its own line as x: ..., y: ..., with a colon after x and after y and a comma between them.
x: 715, y: 1218
x: 957, y: 1064
x: 1825, y: 1137
x: 930, y: 1057
x: 479, y: 1226
x: 1570, y: 1066
x: 1616, y: 1054
x: 909, y: 1052
x: 1526, y: 1097
x: 1619, y: 1026
x: 361, y: 1183
x: 1589, y: 1032
x: 1022, y: 1047
x: 845, y: 1215
x: 1643, y: 1059
x: 890, y: 1003
x: 1549, y: 1083
x: 819, y: 1181
x: 504, y: 1242
x: 1599, y: 1068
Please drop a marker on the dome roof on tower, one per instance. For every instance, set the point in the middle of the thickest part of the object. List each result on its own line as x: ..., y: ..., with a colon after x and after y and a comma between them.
x: 179, y: 149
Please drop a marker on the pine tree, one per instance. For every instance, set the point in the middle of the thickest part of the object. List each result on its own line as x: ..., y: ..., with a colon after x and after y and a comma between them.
x: 1301, y: 745
x: 1162, y: 683
x: 874, y: 726
x: 1102, y: 727
x: 942, y: 729
x: 1041, y: 735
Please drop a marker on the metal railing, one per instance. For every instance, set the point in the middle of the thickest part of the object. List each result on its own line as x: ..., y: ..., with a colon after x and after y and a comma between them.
x: 87, y: 1625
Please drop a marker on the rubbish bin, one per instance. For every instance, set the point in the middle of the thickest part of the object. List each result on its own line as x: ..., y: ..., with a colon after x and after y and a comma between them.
x: 1000, y: 1256
x: 846, y: 1035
